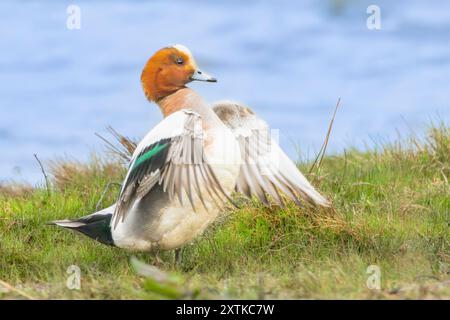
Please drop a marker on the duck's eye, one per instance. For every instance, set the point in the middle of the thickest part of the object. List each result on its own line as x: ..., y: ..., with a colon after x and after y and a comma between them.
x: 179, y: 61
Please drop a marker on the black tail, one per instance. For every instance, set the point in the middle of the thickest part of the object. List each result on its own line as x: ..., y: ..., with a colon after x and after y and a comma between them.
x: 95, y: 226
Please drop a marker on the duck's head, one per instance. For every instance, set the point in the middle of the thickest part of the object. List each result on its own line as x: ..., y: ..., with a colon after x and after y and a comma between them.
x: 169, y: 70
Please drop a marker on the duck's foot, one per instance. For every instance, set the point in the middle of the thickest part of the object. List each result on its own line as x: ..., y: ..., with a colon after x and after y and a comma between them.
x: 178, y: 256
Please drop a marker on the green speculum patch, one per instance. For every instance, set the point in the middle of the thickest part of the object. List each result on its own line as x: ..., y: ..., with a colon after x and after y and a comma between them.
x: 148, y: 155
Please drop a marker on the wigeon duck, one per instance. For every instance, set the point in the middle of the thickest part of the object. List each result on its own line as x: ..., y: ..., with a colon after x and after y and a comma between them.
x: 188, y: 165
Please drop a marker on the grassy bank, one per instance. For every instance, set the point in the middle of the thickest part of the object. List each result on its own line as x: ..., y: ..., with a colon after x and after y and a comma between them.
x: 391, y: 209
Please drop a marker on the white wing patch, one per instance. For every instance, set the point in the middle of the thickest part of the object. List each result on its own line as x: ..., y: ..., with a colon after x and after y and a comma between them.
x: 172, y: 156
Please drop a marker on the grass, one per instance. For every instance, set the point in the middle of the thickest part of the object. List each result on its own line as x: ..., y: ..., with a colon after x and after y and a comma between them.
x: 391, y: 209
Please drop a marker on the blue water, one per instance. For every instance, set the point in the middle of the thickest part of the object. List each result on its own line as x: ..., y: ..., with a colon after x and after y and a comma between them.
x: 289, y: 60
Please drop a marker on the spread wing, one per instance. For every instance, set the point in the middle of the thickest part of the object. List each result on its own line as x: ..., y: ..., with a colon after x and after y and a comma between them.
x: 266, y: 169
x: 171, y: 155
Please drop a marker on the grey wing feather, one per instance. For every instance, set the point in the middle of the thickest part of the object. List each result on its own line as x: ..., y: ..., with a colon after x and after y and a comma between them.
x: 176, y: 170
x: 265, y: 168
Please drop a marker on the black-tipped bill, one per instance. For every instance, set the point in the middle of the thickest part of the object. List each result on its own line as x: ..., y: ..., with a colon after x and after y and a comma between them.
x: 202, y: 76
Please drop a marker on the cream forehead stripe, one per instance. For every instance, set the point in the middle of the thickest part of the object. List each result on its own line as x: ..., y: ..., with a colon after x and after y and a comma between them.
x: 182, y: 48
x: 185, y: 50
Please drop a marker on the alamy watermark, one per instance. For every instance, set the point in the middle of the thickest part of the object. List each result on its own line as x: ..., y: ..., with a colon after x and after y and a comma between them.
x: 73, y: 21
x: 374, y: 19
x: 373, y: 281
x: 73, y: 281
